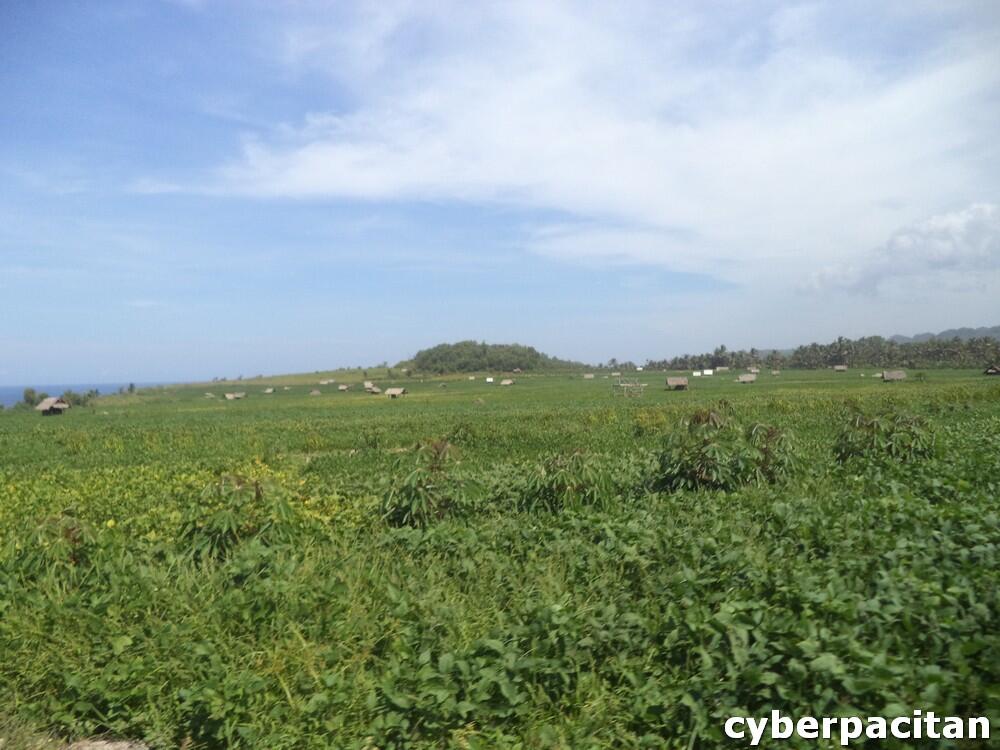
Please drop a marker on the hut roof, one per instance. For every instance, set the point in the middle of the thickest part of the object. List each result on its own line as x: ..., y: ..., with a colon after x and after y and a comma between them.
x: 748, y: 378
x: 677, y: 383
x: 506, y: 381
x: 52, y: 402
x: 891, y: 375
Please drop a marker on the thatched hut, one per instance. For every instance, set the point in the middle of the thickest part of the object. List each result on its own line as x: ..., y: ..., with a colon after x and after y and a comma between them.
x: 677, y: 384
x: 506, y: 381
x: 395, y: 392
x: 747, y: 378
x: 53, y: 406
x: 892, y: 376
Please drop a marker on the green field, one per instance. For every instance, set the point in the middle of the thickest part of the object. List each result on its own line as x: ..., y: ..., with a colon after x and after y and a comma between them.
x: 541, y: 566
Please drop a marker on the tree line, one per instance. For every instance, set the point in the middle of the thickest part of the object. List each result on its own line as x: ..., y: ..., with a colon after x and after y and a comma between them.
x: 869, y: 351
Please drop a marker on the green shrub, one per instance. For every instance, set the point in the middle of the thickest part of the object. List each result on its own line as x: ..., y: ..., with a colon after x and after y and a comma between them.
x: 562, y: 481
x: 427, y: 492
x: 234, y: 509
x: 890, y: 436
x: 712, y: 452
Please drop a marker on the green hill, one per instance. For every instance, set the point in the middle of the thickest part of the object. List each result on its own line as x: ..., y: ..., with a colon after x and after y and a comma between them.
x: 474, y: 356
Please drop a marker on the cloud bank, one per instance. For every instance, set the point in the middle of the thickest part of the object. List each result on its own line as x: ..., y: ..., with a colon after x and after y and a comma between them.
x: 713, y: 139
x: 954, y: 247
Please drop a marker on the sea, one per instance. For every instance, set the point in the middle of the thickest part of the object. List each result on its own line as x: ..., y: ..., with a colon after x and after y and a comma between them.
x: 11, y: 394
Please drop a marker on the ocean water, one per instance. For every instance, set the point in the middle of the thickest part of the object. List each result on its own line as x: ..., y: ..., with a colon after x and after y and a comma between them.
x: 11, y: 394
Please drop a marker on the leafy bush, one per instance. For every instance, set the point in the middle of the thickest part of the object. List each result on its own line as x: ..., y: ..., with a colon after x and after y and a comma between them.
x: 427, y: 492
x: 890, y: 436
x: 710, y: 451
x: 562, y: 481
x: 234, y: 509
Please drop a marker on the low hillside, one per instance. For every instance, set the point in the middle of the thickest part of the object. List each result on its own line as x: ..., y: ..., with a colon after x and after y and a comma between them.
x: 474, y: 356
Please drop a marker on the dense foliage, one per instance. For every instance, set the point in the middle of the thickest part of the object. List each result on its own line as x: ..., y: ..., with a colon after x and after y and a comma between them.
x: 472, y: 356
x: 870, y: 351
x: 544, y: 566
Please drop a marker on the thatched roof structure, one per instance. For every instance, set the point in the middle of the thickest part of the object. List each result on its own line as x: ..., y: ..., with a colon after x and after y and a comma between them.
x: 889, y: 376
x: 506, y: 381
x: 677, y: 384
x: 748, y: 378
x: 52, y: 406
x: 395, y: 392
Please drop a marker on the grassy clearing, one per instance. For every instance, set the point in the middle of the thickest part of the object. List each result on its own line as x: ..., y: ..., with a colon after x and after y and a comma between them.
x: 470, y: 566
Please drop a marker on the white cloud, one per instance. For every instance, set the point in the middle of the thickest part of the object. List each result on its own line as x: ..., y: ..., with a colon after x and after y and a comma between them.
x: 949, y: 249
x: 766, y: 136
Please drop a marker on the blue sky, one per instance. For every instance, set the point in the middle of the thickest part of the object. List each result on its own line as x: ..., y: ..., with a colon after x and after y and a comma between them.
x: 201, y: 188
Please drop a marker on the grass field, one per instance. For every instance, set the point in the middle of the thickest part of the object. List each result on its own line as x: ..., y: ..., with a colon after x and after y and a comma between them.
x: 541, y: 566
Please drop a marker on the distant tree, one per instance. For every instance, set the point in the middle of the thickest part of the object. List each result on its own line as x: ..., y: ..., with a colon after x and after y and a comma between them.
x: 131, y: 387
x: 32, y: 398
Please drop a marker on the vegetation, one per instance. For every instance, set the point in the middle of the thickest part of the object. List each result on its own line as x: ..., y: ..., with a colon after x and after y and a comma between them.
x: 871, y: 351
x: 472, y: 356
x: 542, y: 566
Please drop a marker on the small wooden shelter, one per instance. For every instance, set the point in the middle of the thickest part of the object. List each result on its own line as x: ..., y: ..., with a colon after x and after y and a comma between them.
x: 53, y: 406
x: 677, y: 384
x: 395, y: 392
x: 747, y: 378
x: 891, y: 376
